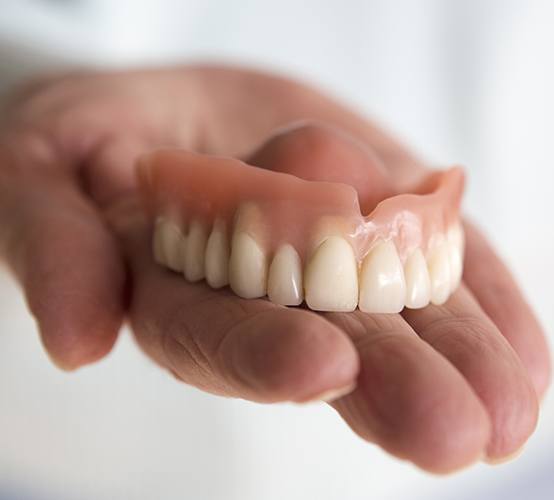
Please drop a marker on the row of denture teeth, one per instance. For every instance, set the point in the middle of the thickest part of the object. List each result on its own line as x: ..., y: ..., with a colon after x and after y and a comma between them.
x: 332, y: 280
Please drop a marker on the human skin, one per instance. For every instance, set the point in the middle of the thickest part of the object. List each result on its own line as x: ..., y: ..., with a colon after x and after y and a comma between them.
x: 441, y: 387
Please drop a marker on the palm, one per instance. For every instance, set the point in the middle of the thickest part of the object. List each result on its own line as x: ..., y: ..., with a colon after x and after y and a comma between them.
x: 439, y: 386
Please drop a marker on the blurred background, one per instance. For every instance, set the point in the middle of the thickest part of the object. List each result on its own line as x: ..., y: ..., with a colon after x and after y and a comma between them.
x: 467, y: 82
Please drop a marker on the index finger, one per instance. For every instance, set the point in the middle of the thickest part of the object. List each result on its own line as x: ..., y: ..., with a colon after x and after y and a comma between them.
x: 226, y: 345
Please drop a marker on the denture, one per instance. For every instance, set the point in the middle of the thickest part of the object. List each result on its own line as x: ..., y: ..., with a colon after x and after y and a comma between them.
x: 271, y: 233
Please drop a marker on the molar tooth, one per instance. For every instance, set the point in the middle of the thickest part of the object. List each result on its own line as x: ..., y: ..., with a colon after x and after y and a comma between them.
x: 157, y: 241
x: 247, y: 267
x: 173, y: 242
x: 456, y: 266
x: 438, y: 263
x: 284, y: 284
x: 195, y: 246
x: 217, y: 256
x: 456, y: 235
x: 455, y: 239
x: 382, y: 284
x: 418, y: 283
x: 331, y: 277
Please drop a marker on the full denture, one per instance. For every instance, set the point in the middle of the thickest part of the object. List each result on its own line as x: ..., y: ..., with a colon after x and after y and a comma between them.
x: 272, y: 233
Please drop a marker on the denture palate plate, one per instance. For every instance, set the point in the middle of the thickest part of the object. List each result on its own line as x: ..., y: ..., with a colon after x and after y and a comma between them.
x: 268, y: 233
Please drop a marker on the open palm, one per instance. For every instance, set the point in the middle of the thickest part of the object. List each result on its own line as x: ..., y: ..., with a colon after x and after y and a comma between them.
x: 442, y: 386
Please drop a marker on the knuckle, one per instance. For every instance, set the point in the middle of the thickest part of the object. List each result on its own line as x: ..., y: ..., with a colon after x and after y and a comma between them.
x: 314, y: 135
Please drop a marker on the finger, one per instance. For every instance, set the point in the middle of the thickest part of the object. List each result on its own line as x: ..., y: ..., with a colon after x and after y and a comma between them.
x: 408, y: 398
x: 463, y: 333
x: 65, y: 259
x: 109, y: 171
x: 227, y: 94
x: 503, y: 366
x: 313, y: 151
x: 496, y: 291
x: 486, y: 275
x: 220, y: 343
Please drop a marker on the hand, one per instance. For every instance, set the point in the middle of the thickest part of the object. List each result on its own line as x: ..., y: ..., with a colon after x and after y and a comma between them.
x: 439, y: 387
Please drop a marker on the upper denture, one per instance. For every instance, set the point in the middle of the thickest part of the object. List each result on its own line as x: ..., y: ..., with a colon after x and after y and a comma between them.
x: 265, y: 215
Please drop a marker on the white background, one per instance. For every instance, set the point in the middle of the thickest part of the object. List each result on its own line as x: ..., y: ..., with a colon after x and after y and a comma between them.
x: 469, y: 82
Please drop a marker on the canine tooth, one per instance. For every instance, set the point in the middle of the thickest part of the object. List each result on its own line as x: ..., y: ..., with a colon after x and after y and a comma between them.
x: 438, y: 263
x: 157, y: 241
x: 331, y: 277
x: 195, y: 246
x: 284, y: 283
x: 173, y: 242
x: 382, y: 284
x: 217, y: 256
x: 418, y: 284
x: 247, y: 267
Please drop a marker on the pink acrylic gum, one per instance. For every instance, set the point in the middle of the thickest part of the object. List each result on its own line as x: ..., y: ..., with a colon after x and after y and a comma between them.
x: 291, y: 210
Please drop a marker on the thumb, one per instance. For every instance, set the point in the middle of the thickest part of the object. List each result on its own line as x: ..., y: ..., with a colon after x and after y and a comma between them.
x: 64, y: 257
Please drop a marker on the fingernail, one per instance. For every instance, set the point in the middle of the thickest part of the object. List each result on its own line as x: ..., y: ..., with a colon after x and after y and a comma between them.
x: 61, y: 365
x: 504, y: 459
x: 332, y: 394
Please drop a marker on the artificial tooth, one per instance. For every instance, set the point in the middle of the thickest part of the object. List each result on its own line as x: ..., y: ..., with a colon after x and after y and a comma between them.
x: 247, y: 267
x: 382, y: 284
x: 173, y: 243
x: 248, y: 219
x: 195, y: 246
x: 418, y: 284
x: 331, y: 277
x: 217, y: 256
x: 456, y: 235
x: 157, y: 241
x: 456, y: 266
x: 284, y: 284
x: 455, y: 240
x: 438, y: 263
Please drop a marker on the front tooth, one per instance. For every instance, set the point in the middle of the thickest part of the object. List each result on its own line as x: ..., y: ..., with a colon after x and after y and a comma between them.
x: 217, y: 256
x: 284, y: 284
x: 195, y: 246
x: 247, y: 267
x: 331, y: 277
x: 418, y: 284
x: 382, y: 285
x: 173, y: 243
x: 438, y: 263
x: 157, y: 241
